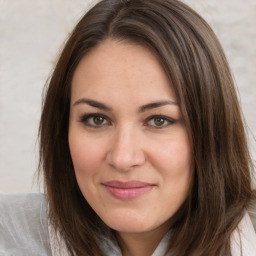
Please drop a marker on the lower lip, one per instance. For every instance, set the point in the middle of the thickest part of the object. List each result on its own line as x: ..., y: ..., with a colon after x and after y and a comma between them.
x: 128, y: 193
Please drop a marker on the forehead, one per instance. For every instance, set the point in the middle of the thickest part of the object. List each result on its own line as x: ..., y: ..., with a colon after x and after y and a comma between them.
x: 121, y: 68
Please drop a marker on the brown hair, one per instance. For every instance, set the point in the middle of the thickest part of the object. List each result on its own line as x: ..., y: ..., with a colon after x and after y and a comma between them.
x: 196, y: 66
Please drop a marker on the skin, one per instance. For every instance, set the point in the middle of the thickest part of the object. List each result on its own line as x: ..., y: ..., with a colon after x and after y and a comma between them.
x: 117, y: 82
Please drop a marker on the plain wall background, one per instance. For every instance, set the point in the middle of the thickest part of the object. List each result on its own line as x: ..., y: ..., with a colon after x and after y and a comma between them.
x: 33, y: 31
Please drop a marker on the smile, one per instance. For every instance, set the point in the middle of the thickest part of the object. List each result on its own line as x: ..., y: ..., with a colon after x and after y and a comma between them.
x: 127, y: 190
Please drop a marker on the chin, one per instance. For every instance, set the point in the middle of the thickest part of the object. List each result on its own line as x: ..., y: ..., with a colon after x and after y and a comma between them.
x: 130, y: 228
x: 129, y: 224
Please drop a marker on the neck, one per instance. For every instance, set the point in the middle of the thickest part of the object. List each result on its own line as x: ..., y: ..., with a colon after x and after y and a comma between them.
x: 143, y: 244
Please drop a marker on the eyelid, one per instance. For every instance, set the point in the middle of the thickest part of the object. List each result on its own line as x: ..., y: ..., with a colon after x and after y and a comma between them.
x: 168, y: 119
x: 85, y: 117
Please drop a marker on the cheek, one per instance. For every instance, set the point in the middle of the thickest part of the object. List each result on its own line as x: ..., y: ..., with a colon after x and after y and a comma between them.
x: 87, y: 160
x: 176, y: 167
x: 174, y: 157
x: 86, y: 154
x: 174, y: 162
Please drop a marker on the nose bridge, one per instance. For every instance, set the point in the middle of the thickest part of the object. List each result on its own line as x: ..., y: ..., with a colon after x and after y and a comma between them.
x: 126, y: 150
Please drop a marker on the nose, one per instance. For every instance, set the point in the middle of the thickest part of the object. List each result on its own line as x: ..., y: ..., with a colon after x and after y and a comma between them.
x: 126, y: 150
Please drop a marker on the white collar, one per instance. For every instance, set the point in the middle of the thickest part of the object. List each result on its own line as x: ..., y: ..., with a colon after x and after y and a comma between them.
x: 243, y: 242
x: 243, y: 239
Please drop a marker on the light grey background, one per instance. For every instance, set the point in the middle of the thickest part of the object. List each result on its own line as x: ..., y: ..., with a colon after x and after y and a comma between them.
x: 32, y: 33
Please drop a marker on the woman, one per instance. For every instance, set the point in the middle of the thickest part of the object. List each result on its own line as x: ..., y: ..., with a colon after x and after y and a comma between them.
x: 143, y: 149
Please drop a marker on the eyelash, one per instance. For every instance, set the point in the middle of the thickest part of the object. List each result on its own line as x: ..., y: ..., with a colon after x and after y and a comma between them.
x: 86, y: 118
x: 168, y: 121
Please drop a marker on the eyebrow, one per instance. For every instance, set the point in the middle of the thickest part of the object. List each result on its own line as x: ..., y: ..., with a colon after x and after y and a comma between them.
x: 93, y: 103
x: 141, y: 109
x: 156, y: 104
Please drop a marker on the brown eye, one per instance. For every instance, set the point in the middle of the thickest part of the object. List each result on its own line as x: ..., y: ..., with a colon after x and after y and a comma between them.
x: 159, y: 121
x: 98, y: 120
x: 94, y: 120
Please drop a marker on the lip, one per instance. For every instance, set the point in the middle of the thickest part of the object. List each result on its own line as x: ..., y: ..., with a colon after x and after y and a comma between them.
x: 127, y: 190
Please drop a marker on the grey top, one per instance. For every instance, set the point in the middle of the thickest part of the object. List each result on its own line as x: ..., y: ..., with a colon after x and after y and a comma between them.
x: 23, y: 225
x: 25, y: 231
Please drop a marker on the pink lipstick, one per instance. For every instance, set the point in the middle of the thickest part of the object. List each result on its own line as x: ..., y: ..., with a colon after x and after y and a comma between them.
x: 127, y: 190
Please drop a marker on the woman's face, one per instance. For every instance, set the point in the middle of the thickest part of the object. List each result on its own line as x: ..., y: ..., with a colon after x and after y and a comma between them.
x: 128, y: 142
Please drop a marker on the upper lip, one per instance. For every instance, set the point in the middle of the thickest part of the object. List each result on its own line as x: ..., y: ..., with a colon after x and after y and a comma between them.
x: 127, y: 184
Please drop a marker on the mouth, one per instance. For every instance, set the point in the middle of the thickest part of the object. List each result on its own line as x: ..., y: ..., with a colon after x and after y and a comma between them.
x: 127, y: 190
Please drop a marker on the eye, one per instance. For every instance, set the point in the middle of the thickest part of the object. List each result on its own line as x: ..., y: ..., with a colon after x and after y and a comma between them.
x: 159, y: 121
x: 94, y: 120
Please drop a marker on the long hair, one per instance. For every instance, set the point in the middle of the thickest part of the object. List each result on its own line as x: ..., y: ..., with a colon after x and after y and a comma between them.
x: 196, y: 66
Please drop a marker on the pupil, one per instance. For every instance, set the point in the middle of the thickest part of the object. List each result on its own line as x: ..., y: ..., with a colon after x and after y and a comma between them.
x: 98, y: 120
x: 159, y: 121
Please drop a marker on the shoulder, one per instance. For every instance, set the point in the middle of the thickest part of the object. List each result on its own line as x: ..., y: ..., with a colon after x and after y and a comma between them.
x: 8, y: 201
x: 243, y: 239
x: 23, y: 225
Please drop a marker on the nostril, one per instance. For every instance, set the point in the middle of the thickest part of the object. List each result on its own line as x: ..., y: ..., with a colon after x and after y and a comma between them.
x: 125, y: 159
